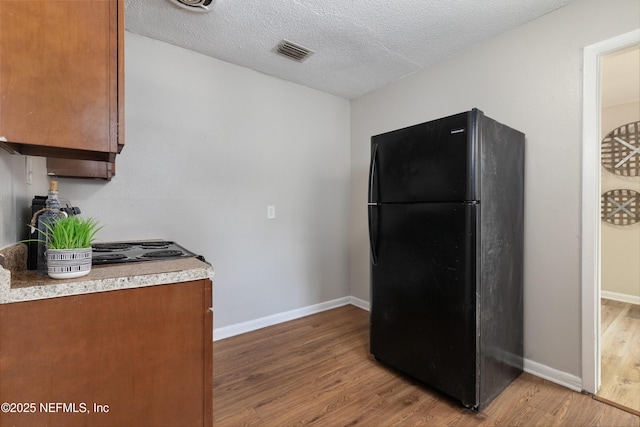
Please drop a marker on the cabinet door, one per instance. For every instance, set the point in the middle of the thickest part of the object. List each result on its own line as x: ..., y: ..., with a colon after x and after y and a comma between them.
x: 59, y: 77
x: 69, y: 168
x: 120, y: 358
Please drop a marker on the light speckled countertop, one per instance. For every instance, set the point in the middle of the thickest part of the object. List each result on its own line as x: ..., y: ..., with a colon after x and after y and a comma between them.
x: 18, y: 284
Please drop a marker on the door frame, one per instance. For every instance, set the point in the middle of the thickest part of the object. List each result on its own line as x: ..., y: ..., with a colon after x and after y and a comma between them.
x: 591, y: 282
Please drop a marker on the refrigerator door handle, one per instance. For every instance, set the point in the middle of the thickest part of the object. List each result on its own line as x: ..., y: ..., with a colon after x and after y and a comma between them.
x: 371, y: 204
x: 372, y: 171
x: 372, y: 237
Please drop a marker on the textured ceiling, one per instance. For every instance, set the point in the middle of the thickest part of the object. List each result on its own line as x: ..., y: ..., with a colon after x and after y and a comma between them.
x: 360, y: 45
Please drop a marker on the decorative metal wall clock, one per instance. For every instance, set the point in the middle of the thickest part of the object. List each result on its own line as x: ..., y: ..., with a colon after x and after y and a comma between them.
x: 620, y: 207
x: 621, y: 150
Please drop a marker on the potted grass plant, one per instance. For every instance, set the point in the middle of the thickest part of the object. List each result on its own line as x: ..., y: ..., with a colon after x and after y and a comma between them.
x: 68, y: 241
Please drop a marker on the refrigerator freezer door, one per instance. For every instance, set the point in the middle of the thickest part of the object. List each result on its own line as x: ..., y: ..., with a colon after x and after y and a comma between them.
x: 423, y: 304
x: 433, y: 161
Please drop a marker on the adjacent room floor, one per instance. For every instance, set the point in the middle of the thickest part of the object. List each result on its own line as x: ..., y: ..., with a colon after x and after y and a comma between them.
x: 620, y: 348
x: 318, y: 371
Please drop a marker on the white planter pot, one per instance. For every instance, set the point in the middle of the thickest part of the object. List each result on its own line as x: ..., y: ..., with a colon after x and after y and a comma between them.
x: 68, y: 263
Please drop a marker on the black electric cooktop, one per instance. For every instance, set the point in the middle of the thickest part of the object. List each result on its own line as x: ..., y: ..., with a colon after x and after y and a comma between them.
x: 137, y: 251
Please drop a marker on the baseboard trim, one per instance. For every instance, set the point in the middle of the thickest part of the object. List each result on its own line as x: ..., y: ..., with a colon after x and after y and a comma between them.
x: 631, y: 299
x: 556, y: 376
x: 263, y: 322
x: 564, y: 379
x: 360, y: 303
x: 561, y: 378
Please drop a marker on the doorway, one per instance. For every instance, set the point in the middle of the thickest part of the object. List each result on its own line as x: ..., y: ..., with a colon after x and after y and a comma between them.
x: 620, y: 229
x: 591, y: 226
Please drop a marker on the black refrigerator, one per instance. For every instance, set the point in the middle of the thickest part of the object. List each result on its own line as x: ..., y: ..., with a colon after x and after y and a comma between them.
x: 446, y: 205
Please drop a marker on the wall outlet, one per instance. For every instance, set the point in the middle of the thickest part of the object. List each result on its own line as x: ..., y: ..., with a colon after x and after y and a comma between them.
x: 271, y: 212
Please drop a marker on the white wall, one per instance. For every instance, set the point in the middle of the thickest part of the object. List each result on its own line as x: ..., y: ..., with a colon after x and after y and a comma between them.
x: 12, y: 196
x: 531, y: 79
x: 208, y: 146
x: 16, y: 195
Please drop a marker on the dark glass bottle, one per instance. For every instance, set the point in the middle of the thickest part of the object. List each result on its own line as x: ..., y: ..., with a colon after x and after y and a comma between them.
x: 51, y: 213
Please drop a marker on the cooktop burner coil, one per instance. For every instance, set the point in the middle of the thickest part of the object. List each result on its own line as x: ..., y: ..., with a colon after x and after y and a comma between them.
x: 162, y: 254
x: 136, y: 251
x: 109, y: 257
x: 110, y: 247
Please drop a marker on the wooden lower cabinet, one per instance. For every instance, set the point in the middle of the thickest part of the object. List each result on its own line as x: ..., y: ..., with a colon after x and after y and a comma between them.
x: 135, y: 357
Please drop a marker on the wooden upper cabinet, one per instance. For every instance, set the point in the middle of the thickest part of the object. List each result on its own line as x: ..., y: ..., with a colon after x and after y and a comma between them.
x: 61, y: 78
x: 71, y: 168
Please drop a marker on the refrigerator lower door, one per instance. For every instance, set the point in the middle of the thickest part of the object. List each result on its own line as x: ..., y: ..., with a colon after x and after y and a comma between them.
x: 423, y: 303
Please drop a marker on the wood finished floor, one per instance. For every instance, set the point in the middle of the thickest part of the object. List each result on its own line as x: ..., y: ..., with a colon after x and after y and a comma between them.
x: 318, y: 371
x: 620, y: 348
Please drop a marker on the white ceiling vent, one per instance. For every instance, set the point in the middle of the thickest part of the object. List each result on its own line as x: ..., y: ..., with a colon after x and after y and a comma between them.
x: 194, y: 5
x: 293, y: 51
